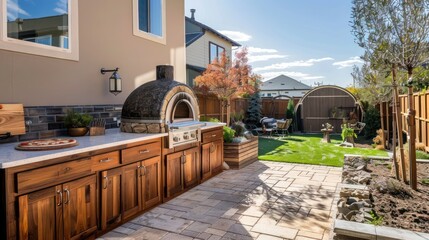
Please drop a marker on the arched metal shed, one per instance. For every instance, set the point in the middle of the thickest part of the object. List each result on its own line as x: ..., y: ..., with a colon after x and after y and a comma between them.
x: 327, y: 104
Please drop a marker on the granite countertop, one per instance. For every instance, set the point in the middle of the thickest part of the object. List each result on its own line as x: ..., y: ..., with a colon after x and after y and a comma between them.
x: 9, y: 157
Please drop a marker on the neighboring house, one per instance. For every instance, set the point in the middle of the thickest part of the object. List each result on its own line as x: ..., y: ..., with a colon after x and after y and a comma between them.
x: 51, y: 53
x: 203, y: 45
x: 283, y: 85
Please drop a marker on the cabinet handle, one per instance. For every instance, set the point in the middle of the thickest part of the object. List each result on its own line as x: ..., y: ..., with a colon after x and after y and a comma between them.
x: 106, y: 179
x: 106, y: 160
x: 140, y: 170
x: 144, y: 151
x: 68, y: 196
x: 59, y: 192
x: 144, y: 170
x: 214, y: 135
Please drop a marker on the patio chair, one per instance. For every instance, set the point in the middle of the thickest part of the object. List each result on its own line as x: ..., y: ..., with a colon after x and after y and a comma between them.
x: 282, y: 127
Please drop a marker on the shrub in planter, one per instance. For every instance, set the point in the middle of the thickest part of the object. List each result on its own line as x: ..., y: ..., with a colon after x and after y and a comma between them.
x: 239, y: 129
x: 348, y: 134
x: 77, y: 123
x: 228, y: 134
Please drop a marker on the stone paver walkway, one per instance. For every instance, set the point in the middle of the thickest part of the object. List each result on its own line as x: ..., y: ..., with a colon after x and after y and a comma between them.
x: 265, y: 200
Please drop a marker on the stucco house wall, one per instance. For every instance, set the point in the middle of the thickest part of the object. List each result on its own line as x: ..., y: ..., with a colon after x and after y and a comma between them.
x: 105, y: 40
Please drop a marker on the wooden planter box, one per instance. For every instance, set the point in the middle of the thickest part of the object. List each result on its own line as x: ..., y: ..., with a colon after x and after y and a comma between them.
x: 238, y: 155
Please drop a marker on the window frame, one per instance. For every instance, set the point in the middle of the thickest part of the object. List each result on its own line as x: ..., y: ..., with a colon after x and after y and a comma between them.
x: 22, y: 46
x: 149, y: 36
x: 217, y: 50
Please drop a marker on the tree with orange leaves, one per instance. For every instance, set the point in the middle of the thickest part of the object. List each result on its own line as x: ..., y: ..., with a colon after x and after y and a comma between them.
x: 227, y: 80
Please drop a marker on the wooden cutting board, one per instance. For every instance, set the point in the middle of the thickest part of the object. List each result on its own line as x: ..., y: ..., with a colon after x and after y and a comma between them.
x: 12, y: 119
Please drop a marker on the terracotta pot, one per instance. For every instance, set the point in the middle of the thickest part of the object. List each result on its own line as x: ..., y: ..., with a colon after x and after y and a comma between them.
x: 77, y: 132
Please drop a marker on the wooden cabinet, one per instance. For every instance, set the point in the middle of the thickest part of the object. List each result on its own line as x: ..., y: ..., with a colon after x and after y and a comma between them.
x: 151, y: 181
x: 66, y: 211
x: 111, y: 198
x: 128, y: 190
x: 211, y: 159
x: 182, y: 171
x: 131, y: 189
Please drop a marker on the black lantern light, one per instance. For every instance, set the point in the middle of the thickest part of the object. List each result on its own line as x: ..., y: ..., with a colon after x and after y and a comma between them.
x: 115, y: 81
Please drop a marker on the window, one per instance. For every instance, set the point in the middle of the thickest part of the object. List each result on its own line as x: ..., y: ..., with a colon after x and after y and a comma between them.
x: 149, y: 19
x: 215, y: 51
x: 40, y: 27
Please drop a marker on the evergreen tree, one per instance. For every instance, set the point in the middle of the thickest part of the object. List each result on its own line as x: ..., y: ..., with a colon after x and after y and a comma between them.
x: 290, y: 109
x: 290, y: 113
x: 254, y: 112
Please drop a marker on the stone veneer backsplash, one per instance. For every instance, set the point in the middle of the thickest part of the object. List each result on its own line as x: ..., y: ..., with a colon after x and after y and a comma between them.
x: 48, y: 121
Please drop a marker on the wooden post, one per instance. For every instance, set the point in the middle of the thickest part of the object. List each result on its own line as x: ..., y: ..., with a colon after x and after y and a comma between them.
x: 395, y: 163
x: 383, y: 138
x: 399, y: 123
x: 387, y: 125
x: 411, y: 135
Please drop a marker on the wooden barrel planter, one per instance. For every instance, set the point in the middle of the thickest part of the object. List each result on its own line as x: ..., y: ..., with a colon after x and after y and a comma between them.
x: 239, y: 155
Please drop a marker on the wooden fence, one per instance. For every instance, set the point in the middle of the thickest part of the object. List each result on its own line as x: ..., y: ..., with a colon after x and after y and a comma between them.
x: 421, y: 105
x: 210, y: 107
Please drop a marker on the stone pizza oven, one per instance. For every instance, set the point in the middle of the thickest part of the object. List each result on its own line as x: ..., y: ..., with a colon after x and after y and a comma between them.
x: 162, y: 105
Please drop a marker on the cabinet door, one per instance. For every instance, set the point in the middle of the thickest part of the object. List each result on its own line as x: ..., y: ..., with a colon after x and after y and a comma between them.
x: 151, y: 182
x: 131, y: 189
x: 174, y: 173
x: 40, y: 214
x: 216, y: 156
x: 79, y: 208
x: 191, y: 166
x: 110, y: 197
x: 205, y: 161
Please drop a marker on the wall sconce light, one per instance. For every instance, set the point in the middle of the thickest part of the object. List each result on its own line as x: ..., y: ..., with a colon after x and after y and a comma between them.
x: 115, y: 81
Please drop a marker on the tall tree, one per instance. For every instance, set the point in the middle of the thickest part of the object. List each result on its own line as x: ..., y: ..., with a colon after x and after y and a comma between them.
x: 254, y: 110
x: 395, y: 33
x: 228, y: 79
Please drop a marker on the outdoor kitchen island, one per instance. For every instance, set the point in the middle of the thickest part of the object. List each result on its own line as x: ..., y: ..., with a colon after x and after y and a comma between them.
x: 87, y: 190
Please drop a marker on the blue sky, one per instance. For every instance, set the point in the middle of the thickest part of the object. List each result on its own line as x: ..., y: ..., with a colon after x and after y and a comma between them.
x: 309, y: 40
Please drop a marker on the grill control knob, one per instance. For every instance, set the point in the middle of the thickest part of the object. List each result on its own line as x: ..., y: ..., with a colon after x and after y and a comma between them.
x: 193, y: 135
x: 176, y: 139
x: 186, y: 137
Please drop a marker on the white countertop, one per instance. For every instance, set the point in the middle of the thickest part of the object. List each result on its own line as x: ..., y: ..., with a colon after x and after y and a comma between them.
x: 210, y: 125
x: 9, y: 157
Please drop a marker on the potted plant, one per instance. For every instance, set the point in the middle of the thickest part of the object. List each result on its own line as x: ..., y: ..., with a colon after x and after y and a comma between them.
x: 348, y: 134
x: 77, y: 123
x: 240, y: 147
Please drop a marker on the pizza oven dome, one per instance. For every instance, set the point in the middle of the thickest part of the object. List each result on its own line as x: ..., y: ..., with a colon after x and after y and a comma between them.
x: 151, y: 107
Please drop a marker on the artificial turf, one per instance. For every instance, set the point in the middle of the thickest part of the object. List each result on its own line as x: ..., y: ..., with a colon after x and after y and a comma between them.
x: 309, y: 149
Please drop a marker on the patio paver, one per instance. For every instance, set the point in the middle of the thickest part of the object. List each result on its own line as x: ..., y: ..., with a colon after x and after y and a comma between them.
x: 265, y: 200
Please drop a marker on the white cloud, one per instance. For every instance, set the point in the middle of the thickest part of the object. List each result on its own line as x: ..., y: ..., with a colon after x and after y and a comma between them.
x: 13, y: 11
x: 267, y: 57
x: 348, y: 63
x: 296, y: 75
x: 236, y: 35
x: 253, y: 50
x: 300, y: 63
x: 61, y: 7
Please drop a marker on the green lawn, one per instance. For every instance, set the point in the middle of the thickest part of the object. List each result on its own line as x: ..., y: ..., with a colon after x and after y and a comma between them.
x: 309, y: 149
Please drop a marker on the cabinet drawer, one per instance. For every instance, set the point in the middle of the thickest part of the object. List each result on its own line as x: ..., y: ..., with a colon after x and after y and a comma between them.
x: 212, y: 136
x: 105, y: 161
x: 48, y: 176
x: 141, y: 152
